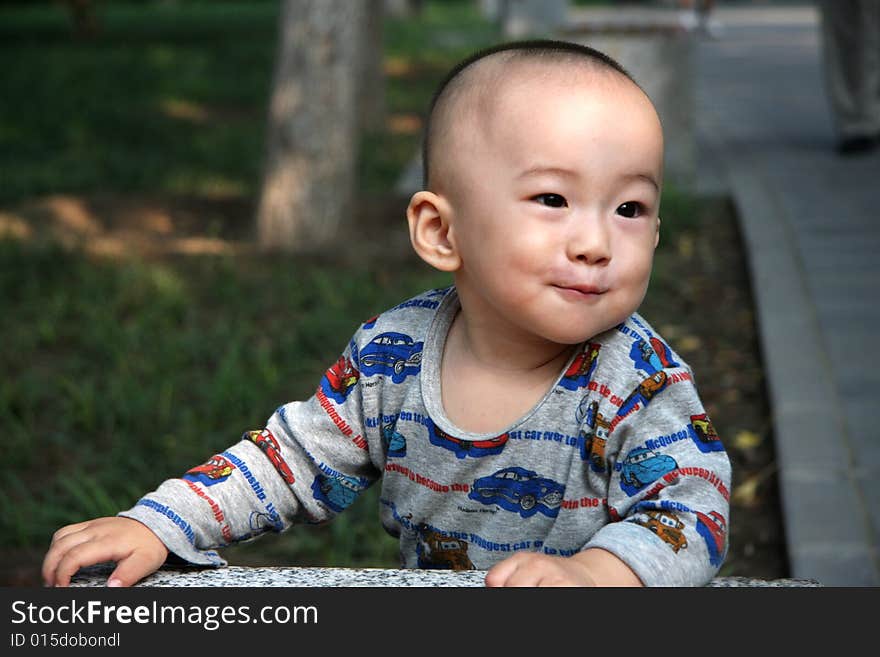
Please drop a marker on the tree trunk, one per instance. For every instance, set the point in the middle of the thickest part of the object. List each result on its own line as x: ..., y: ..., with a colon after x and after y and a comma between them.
x: 312, y: 138
x: 371, y: 103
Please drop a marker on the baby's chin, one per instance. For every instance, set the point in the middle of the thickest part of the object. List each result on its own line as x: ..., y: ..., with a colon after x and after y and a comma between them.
x: 574, y: 335
x: 584, y: 322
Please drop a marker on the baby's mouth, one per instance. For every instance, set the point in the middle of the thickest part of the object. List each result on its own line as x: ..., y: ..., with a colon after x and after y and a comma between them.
x: 585, y: 290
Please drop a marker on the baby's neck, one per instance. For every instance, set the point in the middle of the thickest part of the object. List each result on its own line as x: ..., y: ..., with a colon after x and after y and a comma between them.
x: 490, y: 381
x: 509, y: 352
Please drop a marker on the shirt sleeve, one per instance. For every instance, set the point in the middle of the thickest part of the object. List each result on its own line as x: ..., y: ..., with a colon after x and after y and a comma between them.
x: 309, y: 462
x: 669, y: 485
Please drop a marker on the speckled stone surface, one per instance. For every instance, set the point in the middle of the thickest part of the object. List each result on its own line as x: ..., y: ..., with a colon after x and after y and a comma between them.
x: 237, y: 576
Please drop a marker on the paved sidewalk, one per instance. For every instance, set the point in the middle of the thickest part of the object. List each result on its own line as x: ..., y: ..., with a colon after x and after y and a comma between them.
x: 811, y: 223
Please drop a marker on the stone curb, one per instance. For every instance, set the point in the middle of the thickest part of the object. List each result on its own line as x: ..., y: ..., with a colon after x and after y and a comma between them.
x: 238, y: 576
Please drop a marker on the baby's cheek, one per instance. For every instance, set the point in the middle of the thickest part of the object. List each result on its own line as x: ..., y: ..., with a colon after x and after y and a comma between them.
x: 634, y: 270
x: 537, y: 240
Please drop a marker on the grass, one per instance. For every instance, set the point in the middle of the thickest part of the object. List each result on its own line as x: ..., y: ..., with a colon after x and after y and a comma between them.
x: 172, y: 98
x: 121, y: 373
x: 118, y: 374
x: 159, y: 101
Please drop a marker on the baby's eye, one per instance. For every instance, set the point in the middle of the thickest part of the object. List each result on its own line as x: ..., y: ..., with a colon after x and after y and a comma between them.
x: 631, y: 209
x: 551, y: 200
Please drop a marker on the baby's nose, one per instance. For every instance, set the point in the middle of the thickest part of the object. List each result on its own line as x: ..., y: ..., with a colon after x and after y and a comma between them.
x: 589, y: 242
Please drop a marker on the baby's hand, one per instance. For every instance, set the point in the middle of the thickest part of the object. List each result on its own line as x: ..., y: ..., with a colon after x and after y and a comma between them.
x: 136, y: 550
x: 531, y: 569
x: 592, y: 567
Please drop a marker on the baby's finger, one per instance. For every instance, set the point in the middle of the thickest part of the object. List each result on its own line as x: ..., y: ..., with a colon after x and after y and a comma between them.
x: 134, y: 568
x: 502, y: 571
x: 79, y: 556
x: 70, y: 529
x: 60, y: 547
x: 523, y: 577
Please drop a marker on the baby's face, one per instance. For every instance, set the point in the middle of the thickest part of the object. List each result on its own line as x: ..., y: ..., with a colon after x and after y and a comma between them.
x: 555, y: 213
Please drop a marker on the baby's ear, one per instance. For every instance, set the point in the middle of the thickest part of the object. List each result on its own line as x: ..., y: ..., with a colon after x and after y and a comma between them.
x: 430, y: 230
x: 657, y: 236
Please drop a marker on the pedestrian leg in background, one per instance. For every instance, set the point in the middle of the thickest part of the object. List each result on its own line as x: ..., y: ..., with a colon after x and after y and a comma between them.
x: 851, y: 58
x: 697, y: 15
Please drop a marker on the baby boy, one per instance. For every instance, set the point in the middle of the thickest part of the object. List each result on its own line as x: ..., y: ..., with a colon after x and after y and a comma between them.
x: 525, y: 421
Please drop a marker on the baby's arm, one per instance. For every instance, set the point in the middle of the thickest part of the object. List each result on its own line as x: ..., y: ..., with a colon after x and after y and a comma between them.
x: 668, y: 489
x: 271, y: 479
x: 211, y: 506
x: 136, y: 550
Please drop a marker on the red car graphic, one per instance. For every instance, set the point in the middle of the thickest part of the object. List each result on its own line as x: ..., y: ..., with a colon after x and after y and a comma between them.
x: 714, y: 522
x: 267, y: 442
x: 583, y: 361
x: 342, y: 375
x: 489, y: 443
x: 217, y: 467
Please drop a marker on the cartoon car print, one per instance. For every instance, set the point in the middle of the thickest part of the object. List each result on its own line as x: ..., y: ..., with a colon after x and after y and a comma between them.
x: 586, y: 414
x: 441, y: 552
x: 642, y: 466
x: 651, y: 355
x: 341, y: 376
x: 713, y: 529
x: 703, y: 433
x: 645, y: 391
x: 267, y: 442
x: 597, y: 444
x: 213, y: 471
x: 652, y: 385
x: 704, y: 429
x: 581, y: 369
x: 395, y: 442
x: 262, y: 522
x: 593, y: 440
x: 462, y: 447
x: 391, y: 353
x: 336, y: 492
x: 520, y: 490
x: 648, y: 356
x: 666, y: 525
x: 663, y: 352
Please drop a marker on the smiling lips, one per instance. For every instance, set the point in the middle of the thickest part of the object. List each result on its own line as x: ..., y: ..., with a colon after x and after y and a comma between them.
x: 581, y: 290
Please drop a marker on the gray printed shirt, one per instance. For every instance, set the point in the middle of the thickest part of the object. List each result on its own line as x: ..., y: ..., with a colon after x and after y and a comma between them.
x: 619, y: 455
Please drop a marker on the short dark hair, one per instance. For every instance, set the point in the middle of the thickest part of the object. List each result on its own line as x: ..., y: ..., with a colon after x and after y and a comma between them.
x: 535, y: 49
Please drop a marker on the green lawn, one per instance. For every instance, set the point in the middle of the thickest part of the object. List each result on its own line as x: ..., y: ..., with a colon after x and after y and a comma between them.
x: 171, y: 98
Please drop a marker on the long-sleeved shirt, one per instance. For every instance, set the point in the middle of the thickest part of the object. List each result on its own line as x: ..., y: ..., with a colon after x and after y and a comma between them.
x: 619, y: 454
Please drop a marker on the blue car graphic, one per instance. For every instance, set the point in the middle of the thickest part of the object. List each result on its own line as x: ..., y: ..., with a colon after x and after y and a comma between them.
x: 262, y: 522
x: 651, y: 356
x: 391, y: 353
x: 519, y: 490
x: 336, y: 492
x: 642, y: 466
x: 395, y: 442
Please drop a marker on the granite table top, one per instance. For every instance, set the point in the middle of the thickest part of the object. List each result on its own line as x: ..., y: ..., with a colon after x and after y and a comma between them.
x: 241, y: 576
